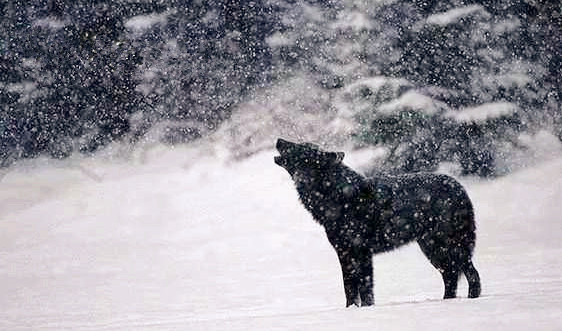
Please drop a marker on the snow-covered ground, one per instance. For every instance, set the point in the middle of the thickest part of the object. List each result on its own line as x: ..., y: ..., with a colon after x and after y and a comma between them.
x: 172, y: 243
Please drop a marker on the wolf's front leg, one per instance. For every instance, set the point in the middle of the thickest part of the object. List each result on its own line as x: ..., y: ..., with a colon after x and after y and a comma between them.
x: 366, y: 280
x: 351, y: 282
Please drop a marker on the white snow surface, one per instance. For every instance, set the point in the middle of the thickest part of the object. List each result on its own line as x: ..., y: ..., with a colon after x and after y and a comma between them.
x: 177, y: 244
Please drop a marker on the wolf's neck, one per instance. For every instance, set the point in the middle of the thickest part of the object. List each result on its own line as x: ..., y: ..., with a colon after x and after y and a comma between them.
x: 325, y: 195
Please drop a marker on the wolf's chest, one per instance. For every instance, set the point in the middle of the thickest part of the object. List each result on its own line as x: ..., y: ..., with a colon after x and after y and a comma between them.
x: 322, y: 206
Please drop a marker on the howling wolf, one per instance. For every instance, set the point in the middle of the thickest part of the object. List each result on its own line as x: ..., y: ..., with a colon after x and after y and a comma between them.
x: 364, y: 216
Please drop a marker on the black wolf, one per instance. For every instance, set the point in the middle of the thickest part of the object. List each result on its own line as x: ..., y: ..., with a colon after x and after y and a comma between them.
x: 364, y: 216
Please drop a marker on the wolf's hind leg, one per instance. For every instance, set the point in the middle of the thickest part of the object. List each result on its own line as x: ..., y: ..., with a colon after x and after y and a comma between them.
x: 463, y: 259
x: 439, y: 254
x: 473, y: 279
x: 450, y: 279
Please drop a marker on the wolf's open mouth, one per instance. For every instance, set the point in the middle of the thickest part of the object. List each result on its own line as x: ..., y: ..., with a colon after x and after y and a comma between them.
x: 278, y: 160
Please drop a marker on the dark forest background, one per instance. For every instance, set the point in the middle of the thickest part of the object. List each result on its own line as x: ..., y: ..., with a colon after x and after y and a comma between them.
x: 78, y: 75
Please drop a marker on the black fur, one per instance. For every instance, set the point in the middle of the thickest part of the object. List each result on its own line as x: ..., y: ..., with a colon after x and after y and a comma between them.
x: 364, y: 216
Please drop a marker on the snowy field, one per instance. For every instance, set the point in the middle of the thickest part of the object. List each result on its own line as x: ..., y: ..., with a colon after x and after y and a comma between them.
x: 170, y: 244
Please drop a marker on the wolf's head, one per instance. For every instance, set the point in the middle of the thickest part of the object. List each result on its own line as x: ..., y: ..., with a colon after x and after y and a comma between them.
x: 305, y: 157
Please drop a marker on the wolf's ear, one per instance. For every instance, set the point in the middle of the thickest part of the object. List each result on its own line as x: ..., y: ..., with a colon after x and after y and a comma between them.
x: 338, y: 157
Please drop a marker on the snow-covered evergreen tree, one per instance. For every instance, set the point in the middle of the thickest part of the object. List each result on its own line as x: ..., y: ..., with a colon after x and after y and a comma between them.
x: 396, y: 73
